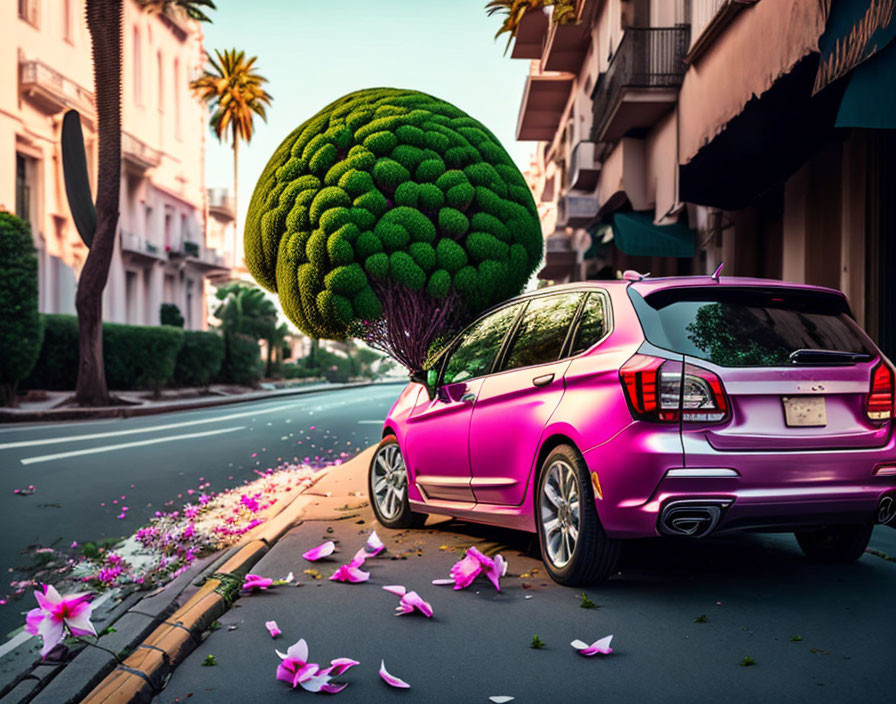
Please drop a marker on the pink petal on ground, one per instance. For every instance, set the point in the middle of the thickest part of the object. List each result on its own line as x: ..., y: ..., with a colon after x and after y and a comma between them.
x: 484, y: 560
x: 340, y: 665
x: 33, y: 620
x: 398, y: 590
x: 322, y: 550
x: 601, y: 647
x: 273, y: 629
x: 297, y: 651
x: 465, y: 571
x: 254, y: 581
x: 347, y: 573
x: 51, y: 632
x: 442, y: 582
x: 333, y: 688
x: 374, y: 545
x: 415, y: 601
x: 358, y: 559
x: 496, y: 571
x: 391, y: 680
x: 501, y: 699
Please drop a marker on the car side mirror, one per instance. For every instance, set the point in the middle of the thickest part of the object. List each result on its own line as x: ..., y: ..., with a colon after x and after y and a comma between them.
x: 427, y: 377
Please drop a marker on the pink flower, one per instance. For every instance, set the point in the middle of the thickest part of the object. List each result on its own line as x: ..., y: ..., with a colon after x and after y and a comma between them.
x: 350, y: 573
x: 410, y: 601
x: 273, y: 629
x: 55, y: 614
x: 323, y: 550
x: 295, y: 669
x: 601, y: 647
x: 391, y: 680
x: 253, y: 582
x: 465, y: 570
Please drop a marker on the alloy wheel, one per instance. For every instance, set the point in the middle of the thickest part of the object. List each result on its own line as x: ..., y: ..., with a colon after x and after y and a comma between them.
x: 559, y: 505
x: 389, y: 481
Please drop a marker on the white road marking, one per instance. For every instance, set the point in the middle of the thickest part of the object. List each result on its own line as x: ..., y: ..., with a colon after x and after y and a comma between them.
x: 372, y: 422
x: 151, y: 429
x: 122, y: 446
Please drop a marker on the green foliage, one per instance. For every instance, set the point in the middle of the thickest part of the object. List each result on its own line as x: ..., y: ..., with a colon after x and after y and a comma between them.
x: 21, y: 327
x: 747, y: 661
x: 135, y: 356
x: 140, y: 357
x: 169, y: 314
x: 702, y: 618
x: 587, y: 603
x: 242, y: 361
x: 403, y: 169
x: 537, y: 642
x: 200, y: 358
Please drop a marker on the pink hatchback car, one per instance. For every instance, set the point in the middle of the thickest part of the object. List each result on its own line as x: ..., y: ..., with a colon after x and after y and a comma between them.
x: 590, y: 413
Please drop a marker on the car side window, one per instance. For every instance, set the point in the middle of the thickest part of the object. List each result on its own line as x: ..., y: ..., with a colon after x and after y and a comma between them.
x: 542, y: 330
x: 592, y: 325
x: 476, y: 351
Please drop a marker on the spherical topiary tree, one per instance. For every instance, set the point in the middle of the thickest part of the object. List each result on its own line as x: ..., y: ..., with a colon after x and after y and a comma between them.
x: 21, y: 327
x: 391, y: 216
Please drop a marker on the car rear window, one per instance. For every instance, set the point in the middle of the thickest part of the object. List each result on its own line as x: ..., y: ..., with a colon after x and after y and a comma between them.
x: 747, y: 327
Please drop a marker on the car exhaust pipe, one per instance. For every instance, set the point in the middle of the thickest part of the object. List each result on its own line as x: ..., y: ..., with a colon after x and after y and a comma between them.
x: 694, y: 518
x: 886, y: 511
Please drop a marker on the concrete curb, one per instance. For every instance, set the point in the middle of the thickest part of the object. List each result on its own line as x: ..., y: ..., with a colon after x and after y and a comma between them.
x: 7, y: 416
x: 145, y: 672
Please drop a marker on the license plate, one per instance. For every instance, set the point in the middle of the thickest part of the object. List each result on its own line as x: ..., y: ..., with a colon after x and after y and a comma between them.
x: 805, y: 411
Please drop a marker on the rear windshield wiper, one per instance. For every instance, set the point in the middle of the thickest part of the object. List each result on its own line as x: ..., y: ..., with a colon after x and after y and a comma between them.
x: 827, y: 357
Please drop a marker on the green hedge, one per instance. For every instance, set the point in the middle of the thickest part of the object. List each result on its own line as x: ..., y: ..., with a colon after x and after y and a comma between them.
x: 242, y: 361
x: 200, y: 359
x: 21, y: 329
x: 136, y: 357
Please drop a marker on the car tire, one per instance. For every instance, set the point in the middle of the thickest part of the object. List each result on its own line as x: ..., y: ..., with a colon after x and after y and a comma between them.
x: 574, y: 547
x: 835, y: 544
x: 387, y: 486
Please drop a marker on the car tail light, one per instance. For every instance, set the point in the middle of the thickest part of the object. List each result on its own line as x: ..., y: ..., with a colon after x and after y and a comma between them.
x: 879, y: 404
x: 653, y: 388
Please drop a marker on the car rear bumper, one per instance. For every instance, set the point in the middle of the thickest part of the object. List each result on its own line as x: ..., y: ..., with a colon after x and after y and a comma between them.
x: 735, y: 491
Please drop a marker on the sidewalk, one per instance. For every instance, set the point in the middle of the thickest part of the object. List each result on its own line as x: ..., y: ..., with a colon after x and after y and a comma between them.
x: 139, y: 405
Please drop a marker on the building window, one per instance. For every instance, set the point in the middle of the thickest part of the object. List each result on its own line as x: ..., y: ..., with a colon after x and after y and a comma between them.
x: 161, y: 71
x: 130, y: 296
x: 138, y: 69
x: 188, y: 313
x: 176, y: 98
x: 29, y: 10
x: 25, y: 167
x: 68, y: 30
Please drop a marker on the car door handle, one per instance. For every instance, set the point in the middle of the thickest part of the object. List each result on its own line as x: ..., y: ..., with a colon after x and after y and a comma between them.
x: 543, y: 380
x: 468, y: 397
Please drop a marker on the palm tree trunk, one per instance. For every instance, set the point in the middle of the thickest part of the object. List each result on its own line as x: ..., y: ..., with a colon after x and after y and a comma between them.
x: 236, y: 211
x: 104, y: 21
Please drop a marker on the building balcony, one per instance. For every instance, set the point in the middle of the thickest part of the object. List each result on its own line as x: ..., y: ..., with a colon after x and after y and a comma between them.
x: 529, y: 41
x: 576, y: 210
x: 51, y: 92
x: 544, y: 100
x: 191, y: 249
x: 136, y: 247
x: 641, y: 83
x: 584, y: 166
x: 220, y: 203
x: 138, y: 155
x: 565, y: 47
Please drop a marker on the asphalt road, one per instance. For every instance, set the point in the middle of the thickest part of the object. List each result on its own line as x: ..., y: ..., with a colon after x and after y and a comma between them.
x: 684, y: 616
x: 84, y: 473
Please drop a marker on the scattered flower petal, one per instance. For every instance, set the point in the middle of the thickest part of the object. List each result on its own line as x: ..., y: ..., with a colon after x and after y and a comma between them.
x: 396, y: 589
x: 501, y: 699
x: 347, y: 573
x: 321, y: 551
x: 411, y: 601
x: 374, y: 545
x: 442, y: 582
x: 601, y: 646
x: 391, y: 680
x: 254, y: 581
x: 273, y: 629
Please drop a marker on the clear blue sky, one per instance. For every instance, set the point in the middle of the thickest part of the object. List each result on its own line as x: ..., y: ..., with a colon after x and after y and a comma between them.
x: 313, y: 52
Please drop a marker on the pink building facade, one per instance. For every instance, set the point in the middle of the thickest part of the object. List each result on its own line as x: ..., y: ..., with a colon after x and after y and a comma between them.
x: 161, y: 253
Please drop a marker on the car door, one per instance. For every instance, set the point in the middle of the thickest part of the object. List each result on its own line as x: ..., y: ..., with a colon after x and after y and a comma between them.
x: 436, y: 445
x: 515, y: 403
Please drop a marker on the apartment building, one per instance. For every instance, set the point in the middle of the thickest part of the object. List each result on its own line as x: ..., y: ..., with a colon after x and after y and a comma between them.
x: 161, y: 253
x: 674, y: 135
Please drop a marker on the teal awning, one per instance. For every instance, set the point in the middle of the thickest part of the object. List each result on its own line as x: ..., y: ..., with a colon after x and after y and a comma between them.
x: 636, y: 235
x: 870, y: 97
x: 856, y: 30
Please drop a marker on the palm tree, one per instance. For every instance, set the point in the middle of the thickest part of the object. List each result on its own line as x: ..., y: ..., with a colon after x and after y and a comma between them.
x: 104, y: 22
x: 236, y: 94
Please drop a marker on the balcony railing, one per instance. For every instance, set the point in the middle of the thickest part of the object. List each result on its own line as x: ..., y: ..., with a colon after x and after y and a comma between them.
x: 191, y: 249
x: 133, y: 243
x: 221, y: 202
x: 52, y: 91
x: 647, y: 58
